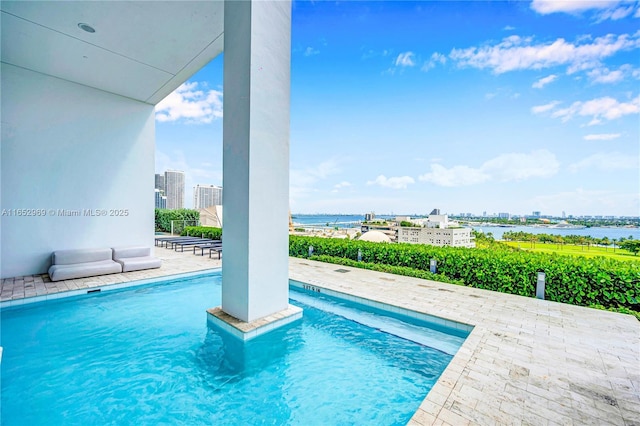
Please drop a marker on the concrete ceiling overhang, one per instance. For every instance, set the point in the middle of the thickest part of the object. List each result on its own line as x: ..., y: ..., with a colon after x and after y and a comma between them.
x: 141, y: 50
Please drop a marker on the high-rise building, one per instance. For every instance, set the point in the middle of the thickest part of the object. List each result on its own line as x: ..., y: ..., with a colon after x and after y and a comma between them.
x: 161, y: 199
x: 174, y: 189
x: 160, y: 182
x: 206, y: 196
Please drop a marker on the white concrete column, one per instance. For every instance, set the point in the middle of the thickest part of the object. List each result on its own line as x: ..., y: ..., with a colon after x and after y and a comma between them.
x: 257, y: 58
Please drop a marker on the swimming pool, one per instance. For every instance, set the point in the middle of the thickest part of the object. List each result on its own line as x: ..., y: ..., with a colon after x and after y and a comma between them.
x: 148, y: 355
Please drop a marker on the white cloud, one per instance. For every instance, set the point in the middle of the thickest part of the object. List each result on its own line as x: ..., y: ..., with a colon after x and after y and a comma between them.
x: 436, y: 58
x: 589, y: 202
x: 602, y: 137
x: 191, y: 104
x: 315, y: 173
x: 400, y: 182
x: 405, y: 59
x: 544, y: 108
x: 602, y: 9
x: 544, y: 81
x: 599, y: 109
x: 343, y: 184
x: 570, y: 6
x: 617, y: 13
x: 606, y: 161
x: 310, y: 51
x: 301, y: 181
x: 455, y: 176
x: 503, y: 168
x: 521, y: 53
x: 604, y: 75
x: 509, y: 28
x: 339, y: 186
x: 520, y: 166
x: 607, y: 76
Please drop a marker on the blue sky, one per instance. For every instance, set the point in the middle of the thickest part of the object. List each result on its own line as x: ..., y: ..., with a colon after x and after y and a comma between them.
x: 402, y: 107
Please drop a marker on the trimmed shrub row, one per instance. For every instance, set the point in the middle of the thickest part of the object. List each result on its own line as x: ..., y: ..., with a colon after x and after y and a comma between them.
x: 574, y: 280
x: 203, y: 231
x: 397, y: 270
x: 164, y: 218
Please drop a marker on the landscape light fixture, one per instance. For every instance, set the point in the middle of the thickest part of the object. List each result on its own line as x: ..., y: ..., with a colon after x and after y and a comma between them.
x: 86, y: 27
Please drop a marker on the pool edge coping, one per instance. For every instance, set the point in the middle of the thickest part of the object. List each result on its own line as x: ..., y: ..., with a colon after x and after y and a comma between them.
x: 100, y: 287
x: 440, y: 321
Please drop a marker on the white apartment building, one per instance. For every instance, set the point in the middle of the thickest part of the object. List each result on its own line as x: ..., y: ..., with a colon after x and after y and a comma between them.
x: 174, y: 189
x: 437, y: 231
x: 206, y: 196
x: 451, y: 237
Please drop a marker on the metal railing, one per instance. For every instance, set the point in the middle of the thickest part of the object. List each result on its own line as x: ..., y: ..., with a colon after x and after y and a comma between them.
x: 177, y: 226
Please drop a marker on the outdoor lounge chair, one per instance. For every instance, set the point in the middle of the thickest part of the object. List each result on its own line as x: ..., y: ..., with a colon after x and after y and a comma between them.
x: 202, y: 247
x: 217, y: 250
x: 182, y: 240
x: 166, y: 240
x: 183, y: 244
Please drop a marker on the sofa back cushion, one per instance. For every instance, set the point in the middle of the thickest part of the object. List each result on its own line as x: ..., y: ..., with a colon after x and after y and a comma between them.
x: 125, y: 252
x: 68, y: 257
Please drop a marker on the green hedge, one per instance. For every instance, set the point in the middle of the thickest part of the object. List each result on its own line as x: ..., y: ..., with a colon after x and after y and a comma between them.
x: 203, y: 231
x: 397, y: 270
x: 164, y: 218
x: 575, y: 280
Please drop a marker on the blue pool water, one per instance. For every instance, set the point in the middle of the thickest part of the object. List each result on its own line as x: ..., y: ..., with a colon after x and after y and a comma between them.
x: 149, y: 356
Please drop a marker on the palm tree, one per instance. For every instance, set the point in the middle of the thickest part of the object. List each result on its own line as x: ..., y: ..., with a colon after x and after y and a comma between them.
x: 582, y: 241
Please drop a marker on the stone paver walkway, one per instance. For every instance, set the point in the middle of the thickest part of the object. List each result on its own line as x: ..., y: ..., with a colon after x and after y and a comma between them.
x: 173, y: 263
x: 526, y: 362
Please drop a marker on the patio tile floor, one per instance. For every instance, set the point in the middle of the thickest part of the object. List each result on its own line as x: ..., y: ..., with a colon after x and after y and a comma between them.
x: 526, y: 362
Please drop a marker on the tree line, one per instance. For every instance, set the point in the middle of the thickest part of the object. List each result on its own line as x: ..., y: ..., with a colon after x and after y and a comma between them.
x: 629, y: 244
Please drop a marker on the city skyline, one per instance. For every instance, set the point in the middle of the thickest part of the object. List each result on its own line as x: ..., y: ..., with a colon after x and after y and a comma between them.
x: 521, y: 107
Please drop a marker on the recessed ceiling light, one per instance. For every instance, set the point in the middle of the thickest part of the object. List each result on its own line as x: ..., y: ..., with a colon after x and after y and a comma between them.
x: 88, y: 28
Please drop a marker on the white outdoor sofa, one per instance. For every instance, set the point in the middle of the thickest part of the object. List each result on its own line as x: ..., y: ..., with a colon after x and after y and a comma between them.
x: 69, y: 264
x: 81, y: 263
x: 135, y: 258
